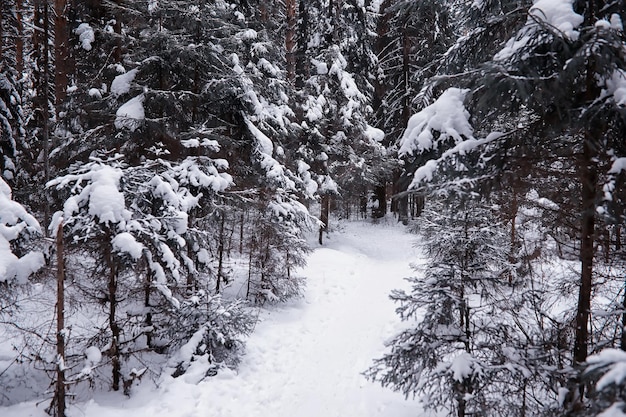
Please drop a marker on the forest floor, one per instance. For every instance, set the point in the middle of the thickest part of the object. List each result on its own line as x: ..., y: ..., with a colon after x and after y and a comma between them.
x: 305, y: 358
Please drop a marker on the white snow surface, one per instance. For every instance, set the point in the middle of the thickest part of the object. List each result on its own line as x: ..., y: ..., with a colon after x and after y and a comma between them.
x: 616, y: 87
x: 374, y: 134
x: 131, y: 114
x: 86, y: 35
x: 557, y: 13
x: 14, y: 220
x: 126, y: 243
x: 304, y: 358
x: 447, y: 115
x: 121, y: 83
x: 560, y: 14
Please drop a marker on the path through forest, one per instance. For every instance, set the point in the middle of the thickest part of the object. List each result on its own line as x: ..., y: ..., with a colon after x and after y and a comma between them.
x: 304, y: 359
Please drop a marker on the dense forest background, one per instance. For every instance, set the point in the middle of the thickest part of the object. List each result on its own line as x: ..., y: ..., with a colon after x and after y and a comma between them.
x: 154, y: 153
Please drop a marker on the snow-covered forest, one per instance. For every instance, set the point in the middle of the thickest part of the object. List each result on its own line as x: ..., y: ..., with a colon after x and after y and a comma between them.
x: 168, y: 168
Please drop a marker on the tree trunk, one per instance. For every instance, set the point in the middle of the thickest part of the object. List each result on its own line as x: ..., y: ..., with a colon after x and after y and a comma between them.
x: 301, y: 59
x: 117, y: 29
x: 59, y: 394
x: 588, y: 177
x: 252, y: 247
x: 6, y: 9
x: 114, y: 352
x: 220, y: 254
x: 146, y: 303
x: 381, y: 197
x: 406, y: 67
x: 622, y: 344
x: 324, y: 213
x: 19, y: 39
x: 290, y: 39
x: 41, y: 45
x: 589, y: 181
x: 241, y: 224
x: 61, y: 52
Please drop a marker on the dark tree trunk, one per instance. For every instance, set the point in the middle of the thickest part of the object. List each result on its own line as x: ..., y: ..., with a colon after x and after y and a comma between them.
x: 59, y: 394
x: 587, y: 168
x: 19, y: 39
x: 41, y: 44
x: 622, y: 344
x: 114, y: 351
x: 303, y: 38
x: 406, y: 67
x: 5, y: 9
x: 61, y: 52
x: 117, y: 29
x: 324, y: 213
x: 220, y: 254
x: 588, y: 177
x: 290, y: 39
x: 381, y: 197
x: 146, y: 302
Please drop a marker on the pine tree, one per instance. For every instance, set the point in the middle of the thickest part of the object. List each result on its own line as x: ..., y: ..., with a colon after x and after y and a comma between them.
x: 553, y: 87
x: 450, y: 355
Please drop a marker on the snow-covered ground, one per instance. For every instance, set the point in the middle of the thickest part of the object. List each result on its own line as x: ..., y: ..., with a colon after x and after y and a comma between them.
x: 304, y: 359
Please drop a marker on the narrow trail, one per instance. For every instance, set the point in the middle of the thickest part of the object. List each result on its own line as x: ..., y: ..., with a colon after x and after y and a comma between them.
x: 304, y: 359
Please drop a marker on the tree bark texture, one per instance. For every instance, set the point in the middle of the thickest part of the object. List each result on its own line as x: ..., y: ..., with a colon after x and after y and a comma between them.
x: 114, y: 352
x: 61, y: 52
x: 301, y: 60
x: 324, y: 214
x: 290, y: 39
x: 19, y: 40
x: 59, y: 394
x: 41, y: 44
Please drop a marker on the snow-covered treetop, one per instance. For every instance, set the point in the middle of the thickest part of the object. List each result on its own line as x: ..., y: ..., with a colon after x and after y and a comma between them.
x: 447, y: 116
x: 558, y: 14
x: 101, y: 194
x: 14, y: 221
x: 13, y: 214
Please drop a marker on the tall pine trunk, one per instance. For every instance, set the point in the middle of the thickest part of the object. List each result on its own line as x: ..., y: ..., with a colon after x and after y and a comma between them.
x: 19, y: 39
x: 589, y: 182
x: 59, y: 393
x: 324, y: 214
x: 588, y: 177
x: 41, y: 46
x: 290, y: 39
x: 301, y: 60
x: 61, y: 52
x: 114, y: 352
x: 220, y: 254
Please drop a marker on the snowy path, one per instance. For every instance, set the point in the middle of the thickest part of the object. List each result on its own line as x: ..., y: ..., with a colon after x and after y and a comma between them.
x: 305, y: 359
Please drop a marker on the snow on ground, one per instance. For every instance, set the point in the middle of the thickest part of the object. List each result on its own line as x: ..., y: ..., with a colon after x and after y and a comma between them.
x: 304, y: 359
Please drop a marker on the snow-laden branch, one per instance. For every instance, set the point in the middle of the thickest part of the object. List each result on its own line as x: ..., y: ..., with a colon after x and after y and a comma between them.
x: 425, y: 172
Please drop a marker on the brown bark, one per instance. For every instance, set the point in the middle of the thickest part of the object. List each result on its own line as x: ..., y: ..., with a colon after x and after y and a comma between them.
x: 324, y: 213
x: 589, y: 182
x: 220, y: 254
x: 3, y: 6
x: 381, y: 197
x: 59, y: 394
x: 406, y: 61
x: 19, y: 40
x: 61, y: 52
x: 117, y: 29
x: 302, y: 40
x: 622, y: 344
x: 588, y: 177
x: 41, y: 42
x: 290, y: 39
x: 114, y: 352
